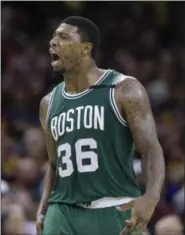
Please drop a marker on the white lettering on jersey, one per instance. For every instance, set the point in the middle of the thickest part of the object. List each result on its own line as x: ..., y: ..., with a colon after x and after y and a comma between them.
x: 88, y: 117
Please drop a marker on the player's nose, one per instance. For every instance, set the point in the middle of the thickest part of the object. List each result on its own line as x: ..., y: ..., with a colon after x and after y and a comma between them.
x: 53, y: 43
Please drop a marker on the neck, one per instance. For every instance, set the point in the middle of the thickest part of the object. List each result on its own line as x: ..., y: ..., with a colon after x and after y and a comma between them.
x: 82, y: 77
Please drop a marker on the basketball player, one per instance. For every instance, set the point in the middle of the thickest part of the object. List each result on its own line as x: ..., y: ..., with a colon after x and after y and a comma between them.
x: 91, y: 121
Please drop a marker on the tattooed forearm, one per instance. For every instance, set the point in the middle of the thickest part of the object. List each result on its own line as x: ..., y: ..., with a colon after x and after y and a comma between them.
x: 49, y: 178
x: 138, y: 113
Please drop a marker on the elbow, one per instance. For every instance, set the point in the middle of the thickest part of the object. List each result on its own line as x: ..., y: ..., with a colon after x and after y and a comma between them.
x: 160, y: 154
x: 157, y: 147
x: 157, y: 159
x: 157, y: 153
x: 152, y: 151
x: 156, y: 150
x: 154, y: 157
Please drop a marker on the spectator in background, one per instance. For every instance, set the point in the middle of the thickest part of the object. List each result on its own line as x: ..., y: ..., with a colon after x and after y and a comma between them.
x: 169, y: 225
x: 14, y: 221
x: 5, y: 188
x: 178, y: 201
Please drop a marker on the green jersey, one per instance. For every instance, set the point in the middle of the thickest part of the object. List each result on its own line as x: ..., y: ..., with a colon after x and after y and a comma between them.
x: 94, y: 144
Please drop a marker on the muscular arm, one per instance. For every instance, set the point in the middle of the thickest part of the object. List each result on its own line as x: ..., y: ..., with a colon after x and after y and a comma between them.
x: 49, y: 178
x: 135, y: 105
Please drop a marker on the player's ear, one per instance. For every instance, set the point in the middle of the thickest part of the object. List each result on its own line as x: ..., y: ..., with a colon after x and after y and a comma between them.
x: 87, y: 47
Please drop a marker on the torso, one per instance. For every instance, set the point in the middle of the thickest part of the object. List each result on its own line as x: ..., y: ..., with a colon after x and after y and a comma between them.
x: 94, y: 144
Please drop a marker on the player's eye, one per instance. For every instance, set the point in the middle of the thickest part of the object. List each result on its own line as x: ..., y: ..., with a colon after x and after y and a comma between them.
x: 63, y: 36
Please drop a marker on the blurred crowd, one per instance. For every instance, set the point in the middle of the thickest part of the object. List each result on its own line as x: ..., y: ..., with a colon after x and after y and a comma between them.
x: 142, y: 39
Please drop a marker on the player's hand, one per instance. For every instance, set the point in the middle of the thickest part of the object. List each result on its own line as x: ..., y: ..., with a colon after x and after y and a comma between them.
x: 142, y: 210
x: 39, y: 224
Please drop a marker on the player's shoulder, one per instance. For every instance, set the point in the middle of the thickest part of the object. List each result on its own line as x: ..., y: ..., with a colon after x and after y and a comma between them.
x: 44, y: 107
x: 123, y: 78
x: 45, y: 100
x: 128, y: 85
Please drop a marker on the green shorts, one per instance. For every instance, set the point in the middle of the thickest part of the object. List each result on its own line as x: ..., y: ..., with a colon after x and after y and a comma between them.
x: 63, y: 219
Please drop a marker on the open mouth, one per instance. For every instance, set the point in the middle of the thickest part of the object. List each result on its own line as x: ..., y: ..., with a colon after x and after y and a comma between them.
x: 55, y: 57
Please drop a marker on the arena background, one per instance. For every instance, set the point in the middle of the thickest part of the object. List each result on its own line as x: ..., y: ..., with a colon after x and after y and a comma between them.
x: 145, y: 40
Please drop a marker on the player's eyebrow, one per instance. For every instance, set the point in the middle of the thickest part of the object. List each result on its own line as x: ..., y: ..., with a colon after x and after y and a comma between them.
x: 61, y: 33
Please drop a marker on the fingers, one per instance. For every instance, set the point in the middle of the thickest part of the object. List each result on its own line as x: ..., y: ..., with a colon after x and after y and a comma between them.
x: 130, y: 225
x: 39, y: 229
x: 126, y: 206
x: 139, y: 229
x: 39, y: 226
x: 133, y: 228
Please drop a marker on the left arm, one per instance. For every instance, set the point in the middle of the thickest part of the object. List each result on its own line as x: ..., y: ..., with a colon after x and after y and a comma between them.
x: 134, y: 104
x: 137, y: 111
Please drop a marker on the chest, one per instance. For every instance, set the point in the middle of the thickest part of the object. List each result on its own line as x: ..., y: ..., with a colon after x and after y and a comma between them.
x: 79, y: 118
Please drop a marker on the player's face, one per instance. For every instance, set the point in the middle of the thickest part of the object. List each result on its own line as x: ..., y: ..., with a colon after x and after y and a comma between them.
x: 66, y: 48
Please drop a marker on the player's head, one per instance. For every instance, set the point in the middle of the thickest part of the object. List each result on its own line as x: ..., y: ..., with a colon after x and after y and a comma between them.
x: 75, y: 40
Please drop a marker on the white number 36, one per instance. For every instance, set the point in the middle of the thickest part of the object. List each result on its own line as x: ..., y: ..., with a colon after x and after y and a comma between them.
x: 80, y: 156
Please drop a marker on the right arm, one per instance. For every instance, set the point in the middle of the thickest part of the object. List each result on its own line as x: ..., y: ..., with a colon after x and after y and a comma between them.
x: 49, y: 178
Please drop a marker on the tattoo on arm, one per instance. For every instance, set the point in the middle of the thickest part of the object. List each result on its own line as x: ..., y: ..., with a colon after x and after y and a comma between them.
x: 137, y: 110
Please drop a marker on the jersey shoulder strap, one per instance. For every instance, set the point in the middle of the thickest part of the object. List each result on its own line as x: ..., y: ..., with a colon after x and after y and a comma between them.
x: 52, y: 101
x: 116, y: 78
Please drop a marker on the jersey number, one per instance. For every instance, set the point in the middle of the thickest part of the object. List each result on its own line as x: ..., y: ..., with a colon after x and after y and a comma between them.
x: 64, y: 153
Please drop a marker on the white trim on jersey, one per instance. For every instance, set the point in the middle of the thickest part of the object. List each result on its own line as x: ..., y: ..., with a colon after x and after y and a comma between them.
x: 119, y: 78
x: 107, y: 202
x: 78, y: 95
x: 50, y: 104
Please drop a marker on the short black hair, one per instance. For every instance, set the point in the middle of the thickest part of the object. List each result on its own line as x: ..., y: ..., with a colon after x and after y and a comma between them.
x: 88, y: 31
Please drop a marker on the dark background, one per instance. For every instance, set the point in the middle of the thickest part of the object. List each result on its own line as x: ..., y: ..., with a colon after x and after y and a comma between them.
x: 142, y: 39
